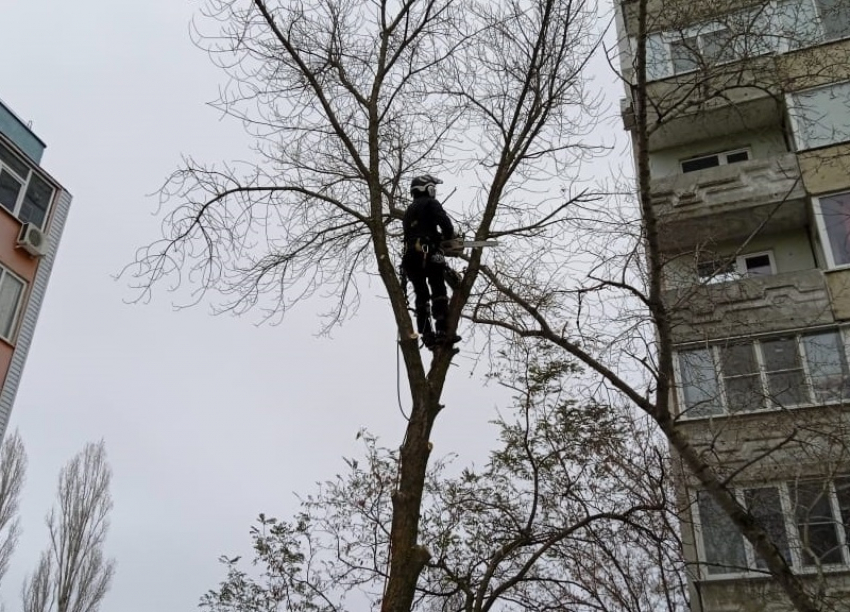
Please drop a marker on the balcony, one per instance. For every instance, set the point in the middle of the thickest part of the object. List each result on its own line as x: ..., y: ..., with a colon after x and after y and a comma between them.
x: 749, y: 306
x: 729, y: 202
x: 668, y: 15
x: 736, y: 97
x: 732, y: 442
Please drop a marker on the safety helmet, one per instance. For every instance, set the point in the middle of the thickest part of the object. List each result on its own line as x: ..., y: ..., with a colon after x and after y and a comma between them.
x: 424, y: 184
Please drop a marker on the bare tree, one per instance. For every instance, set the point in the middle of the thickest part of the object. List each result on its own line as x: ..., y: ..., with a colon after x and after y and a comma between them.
x: 73, y: 574
x: 570, y: 512
x: 348, y: 100
x: 13, y: 467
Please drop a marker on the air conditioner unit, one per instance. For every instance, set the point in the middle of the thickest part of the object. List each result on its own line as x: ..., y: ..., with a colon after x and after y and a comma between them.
x: 32, y: 240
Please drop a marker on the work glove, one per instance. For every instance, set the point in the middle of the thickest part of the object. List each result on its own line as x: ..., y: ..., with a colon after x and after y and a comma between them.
x: 453, y: 247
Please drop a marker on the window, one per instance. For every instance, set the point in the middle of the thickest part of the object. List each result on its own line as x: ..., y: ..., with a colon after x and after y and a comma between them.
x: 834, y: 17
x: 723, y: 545
x: 797, y: 24
x: 816, y: 523
x: 717, y: 159
x: 700, y: 386
x: 820, y: 116
x: 826, y: 366
x: 807, y: 520
x: 776, y: 26
x: 783, y: 365
x: 712, y: 43
x: 23, y: 192
x: 11, y: 290
x: 684, y: 54
x: 765, y: 504
x: 834, y: 227
x: 741, y: 378
x: 746, y: 33
x: 720, y: 270
x: 785, y: 371
x: 757, y: 264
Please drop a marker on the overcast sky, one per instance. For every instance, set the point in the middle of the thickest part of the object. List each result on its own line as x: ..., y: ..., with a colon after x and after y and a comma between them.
x: 208, y: 420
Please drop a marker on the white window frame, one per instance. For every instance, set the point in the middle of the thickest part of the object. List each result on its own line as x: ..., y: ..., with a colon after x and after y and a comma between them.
x: 795, y: 545
x: 703, y: 565
x: 24, y: 184
x: 769, y: 403
x: 696, y: 33
x: 722, y: 158
x: 820, y: 223
x: 13, y: 327
x: 31, y: 172
x: 794, y: 119
x: 741, y: 263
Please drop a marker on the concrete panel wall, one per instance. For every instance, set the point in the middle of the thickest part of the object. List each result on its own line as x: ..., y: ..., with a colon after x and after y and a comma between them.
x: 790, y: 444
x: 761, y: 594
x: 792, y: 252
x: 826, y: 170
x: 763, y: 144
x: 838, y: 283
x: 749, y: 306
x: 814, y: 66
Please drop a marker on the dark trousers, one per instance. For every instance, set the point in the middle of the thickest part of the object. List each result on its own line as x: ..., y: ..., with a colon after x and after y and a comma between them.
x: 429, y: 287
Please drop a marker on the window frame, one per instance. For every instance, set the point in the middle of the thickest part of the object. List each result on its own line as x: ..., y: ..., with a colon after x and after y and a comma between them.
x: 27, y: 181
x: 16, y: 315
x: 790, y: 525
x: 741, y: 263
x: 21, y: 192
x: 703, y: 565
x: 722, y: 159
x: 695, y: 33
x: 823, y: 235
x: 720, y: 405
x: 822, y: 20
x: 794, y: 117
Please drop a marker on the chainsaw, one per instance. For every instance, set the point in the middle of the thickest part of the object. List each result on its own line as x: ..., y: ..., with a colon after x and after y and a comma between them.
x: 455, y: 246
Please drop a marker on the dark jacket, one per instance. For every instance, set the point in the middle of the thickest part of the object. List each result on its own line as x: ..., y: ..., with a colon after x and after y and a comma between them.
x: 426, y: 219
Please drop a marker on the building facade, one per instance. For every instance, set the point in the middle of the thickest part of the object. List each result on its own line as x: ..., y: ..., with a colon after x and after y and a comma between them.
x: 749, y: 150
x: 33, y: 210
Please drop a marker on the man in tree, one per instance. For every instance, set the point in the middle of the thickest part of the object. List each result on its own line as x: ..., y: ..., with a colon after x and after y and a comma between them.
x: 426, y: 226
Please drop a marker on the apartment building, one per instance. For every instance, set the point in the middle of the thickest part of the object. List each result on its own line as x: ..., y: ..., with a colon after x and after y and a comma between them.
x: 749, y: 149
x: 33, y: 209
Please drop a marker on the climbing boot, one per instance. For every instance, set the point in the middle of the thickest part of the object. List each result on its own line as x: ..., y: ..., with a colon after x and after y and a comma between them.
x: 429, y: 340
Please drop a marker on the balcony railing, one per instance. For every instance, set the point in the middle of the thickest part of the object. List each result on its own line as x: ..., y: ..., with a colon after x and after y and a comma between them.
x: 729, y: 202
x: 749, y: 306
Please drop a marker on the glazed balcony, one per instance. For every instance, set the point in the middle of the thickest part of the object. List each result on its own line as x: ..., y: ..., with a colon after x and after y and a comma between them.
x: 670, y: 14
x: 729, y: 202
x: 755, y: 305
x: 731, y: 98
